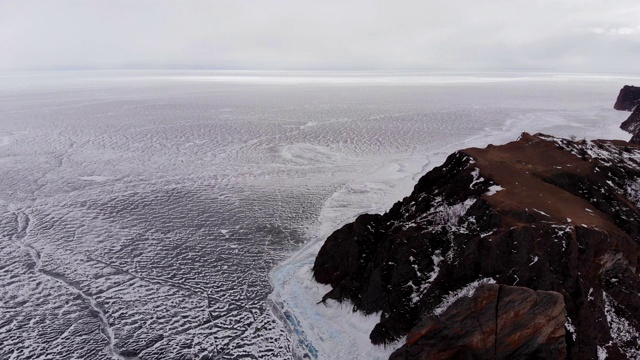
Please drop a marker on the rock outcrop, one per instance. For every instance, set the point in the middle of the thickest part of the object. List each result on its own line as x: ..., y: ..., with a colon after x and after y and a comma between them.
x: 628, y: 100
x: 632, y: 125
x: 557, y: 217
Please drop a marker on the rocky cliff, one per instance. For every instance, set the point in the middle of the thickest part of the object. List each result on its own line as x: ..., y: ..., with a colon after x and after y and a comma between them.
x: 632, y: 125
x: 628, y: 100
x: 527, y: 250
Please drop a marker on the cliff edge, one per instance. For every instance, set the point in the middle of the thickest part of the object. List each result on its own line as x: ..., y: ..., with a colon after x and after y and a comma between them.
x: 527, y: 250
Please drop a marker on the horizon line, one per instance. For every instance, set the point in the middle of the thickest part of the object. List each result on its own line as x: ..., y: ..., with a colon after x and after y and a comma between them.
x: 315, y: 70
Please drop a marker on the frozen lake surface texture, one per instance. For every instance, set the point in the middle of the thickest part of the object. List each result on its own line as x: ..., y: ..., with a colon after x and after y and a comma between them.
x: 175, y: 215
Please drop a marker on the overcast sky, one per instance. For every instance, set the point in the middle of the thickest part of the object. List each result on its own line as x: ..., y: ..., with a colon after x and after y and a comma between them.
x: 464, y: 35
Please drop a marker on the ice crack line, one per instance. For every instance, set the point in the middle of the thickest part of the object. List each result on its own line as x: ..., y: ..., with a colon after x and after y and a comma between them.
x: 192, y: 288
x: 24, y: 225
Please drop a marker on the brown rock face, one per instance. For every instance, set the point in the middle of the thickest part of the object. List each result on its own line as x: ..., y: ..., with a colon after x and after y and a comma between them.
x: 628, y: 98
x: 543, y: 213
x: 497, y: 322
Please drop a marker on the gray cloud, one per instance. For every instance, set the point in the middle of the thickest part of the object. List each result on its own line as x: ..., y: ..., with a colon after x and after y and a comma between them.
x: 570, y: 35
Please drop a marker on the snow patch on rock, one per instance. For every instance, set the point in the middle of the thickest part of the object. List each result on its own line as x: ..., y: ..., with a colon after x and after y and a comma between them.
x: 466, y: 291
x: 624, y: 334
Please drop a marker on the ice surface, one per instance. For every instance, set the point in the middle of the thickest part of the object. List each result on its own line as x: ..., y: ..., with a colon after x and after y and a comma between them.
x: 142, y: 212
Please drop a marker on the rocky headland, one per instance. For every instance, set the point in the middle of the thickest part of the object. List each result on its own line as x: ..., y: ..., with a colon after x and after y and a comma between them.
x: 527, y: 250
x: 628, y: 100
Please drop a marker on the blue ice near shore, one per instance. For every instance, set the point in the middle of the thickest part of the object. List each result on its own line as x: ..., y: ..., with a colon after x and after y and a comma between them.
x: 167, y: 214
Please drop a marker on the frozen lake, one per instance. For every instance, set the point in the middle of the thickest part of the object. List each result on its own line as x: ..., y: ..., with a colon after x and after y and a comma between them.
x: 142, y: 214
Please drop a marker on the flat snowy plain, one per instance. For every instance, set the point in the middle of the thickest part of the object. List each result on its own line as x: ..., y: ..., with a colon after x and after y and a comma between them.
x: 165, y: 215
